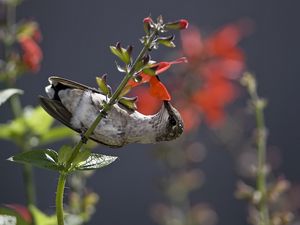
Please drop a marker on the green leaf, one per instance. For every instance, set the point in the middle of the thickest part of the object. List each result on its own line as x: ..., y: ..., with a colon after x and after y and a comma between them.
x: 42, y: 219
x: 47, y: 159
x: 56, y: 134
x: 121, y: 53
x: 13, y: 130
x: 128, y: 102
x: 82, y: 156
x: 11, y: 216
x: 64, y: 154
x: 38, y: 120
x: 7, y: 93
x: 96, y: 161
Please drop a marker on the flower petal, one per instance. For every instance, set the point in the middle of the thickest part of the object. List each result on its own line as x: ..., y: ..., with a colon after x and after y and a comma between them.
x: 158, y: 90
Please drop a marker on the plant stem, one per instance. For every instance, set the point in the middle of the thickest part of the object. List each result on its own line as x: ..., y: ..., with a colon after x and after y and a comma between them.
x: 16, y: 107
x: 60, y: 198
x: 86, y: 135
x: 261, y: 168
x: 261, y: 140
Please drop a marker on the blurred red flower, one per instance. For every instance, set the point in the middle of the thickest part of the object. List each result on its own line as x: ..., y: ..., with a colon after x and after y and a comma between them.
x: 22, y: 211
x: 32, y: 54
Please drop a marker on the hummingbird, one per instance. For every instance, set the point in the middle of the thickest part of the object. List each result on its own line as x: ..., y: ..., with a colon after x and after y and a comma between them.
x: 77, y: 106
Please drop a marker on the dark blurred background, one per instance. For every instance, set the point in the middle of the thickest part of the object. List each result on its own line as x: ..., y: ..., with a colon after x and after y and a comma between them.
x: 76, y: 36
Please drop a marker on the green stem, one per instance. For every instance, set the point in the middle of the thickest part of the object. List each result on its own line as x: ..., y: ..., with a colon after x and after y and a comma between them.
x: 60, y: 198
x: 86, y: 135
x: 261, y: 168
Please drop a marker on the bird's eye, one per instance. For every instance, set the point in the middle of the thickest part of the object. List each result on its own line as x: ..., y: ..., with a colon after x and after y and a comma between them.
x: 172, y: 121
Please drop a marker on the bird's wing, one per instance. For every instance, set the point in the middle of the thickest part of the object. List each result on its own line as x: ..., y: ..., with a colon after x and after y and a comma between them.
x: 72, y: 84
x: 57, y: 110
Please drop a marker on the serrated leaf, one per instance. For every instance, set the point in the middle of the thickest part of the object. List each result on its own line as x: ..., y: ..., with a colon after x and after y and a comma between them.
x: 102, y: 85
x: 42, y: 219
x: 7, y: 93
x: 96, y: 161
x: 149, y: 71
x: 47, y: 159
x: 128, y: 102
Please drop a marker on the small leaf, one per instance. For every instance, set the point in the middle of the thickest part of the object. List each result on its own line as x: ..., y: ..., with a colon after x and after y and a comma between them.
x: 33, y: 118
x: 128, y: 102
x: 55, y: 134
x: 46, y: 158
x: 7, y: 93
x: 96, y: 161
x: 42, y: 219
x: 102, y: 85
x: 64, y: 154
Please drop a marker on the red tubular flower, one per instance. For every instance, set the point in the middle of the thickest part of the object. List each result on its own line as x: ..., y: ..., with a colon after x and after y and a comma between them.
x: 157, y: 89
x: 32, y: 55
x: 177, y: 25
x: 148, y: 20
x: 146, y: 103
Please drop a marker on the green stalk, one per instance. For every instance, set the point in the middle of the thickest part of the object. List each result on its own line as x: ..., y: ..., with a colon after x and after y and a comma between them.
x: 261, y: 141
x: 17, y: 110
x: 60, y: 199
x: 86, y: 135
x: 261, y: 167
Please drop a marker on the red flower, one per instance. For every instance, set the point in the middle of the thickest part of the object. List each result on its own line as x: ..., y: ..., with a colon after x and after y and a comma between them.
x: 32, y: 54
x: 217, y: 60
x: 146, y: 103
x: 157, y: 89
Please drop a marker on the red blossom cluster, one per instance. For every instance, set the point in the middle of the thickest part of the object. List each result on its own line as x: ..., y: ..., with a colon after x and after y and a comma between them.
x: 32, y: 54
x: 206, y: 86
x: 216, y: 61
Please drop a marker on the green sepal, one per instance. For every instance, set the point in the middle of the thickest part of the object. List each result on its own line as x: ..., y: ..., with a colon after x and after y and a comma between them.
x: 121, y: 53
x: 149, y: 71
x: 129, y: 103
x: 8, y: 93
x: 47, y: 159
x: 101, y: 81
x: 96, y: 161
x: 125, y: 90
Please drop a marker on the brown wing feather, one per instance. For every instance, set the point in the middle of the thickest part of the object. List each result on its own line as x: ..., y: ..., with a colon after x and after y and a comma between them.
x: 72, y: 84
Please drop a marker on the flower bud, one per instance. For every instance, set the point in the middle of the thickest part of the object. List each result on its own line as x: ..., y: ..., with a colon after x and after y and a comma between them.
x: 177, y: 25
x: 147, y: 24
